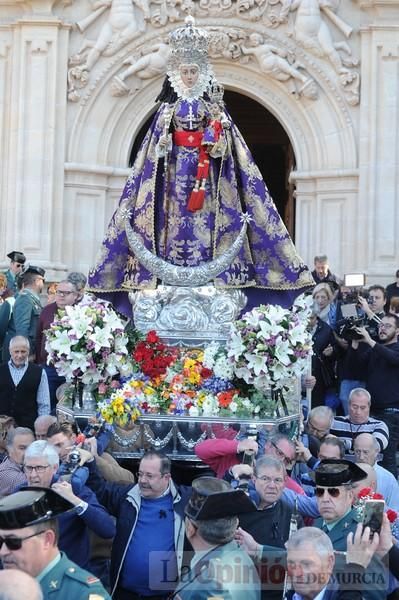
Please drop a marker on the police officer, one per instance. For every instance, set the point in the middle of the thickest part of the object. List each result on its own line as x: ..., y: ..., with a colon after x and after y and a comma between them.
x: 26, y: 311
x: 28, y: 542
x: 335, y: 497
x: 219, y: 568
x: 17, y: 261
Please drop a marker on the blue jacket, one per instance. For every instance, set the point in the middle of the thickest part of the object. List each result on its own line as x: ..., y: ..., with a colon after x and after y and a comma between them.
x: 74, y: 529
x: 123, y: 501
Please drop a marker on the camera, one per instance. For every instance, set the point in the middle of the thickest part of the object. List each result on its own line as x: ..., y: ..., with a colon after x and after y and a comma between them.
x: 351, y: 319
x: 252, y: 432
x: 68, y: 468
x: 243, y: 483
x: 346, y: 328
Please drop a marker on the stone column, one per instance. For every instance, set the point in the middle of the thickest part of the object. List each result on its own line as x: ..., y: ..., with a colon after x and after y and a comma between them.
x: 37, y: 109
x: 379, y: 141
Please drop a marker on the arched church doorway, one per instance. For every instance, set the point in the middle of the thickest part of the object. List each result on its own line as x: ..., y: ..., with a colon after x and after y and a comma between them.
x: 269, y: 145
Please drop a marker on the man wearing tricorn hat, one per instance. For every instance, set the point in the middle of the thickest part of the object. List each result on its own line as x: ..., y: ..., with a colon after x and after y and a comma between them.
x: 335, y: 497
x: 334, y: 493
x: 17, y: 261
x: 220, y: 568
x: 28, y: 542
x: 26, y: 311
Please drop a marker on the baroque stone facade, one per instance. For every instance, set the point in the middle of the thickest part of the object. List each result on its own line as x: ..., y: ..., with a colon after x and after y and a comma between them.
x: 78, y: 79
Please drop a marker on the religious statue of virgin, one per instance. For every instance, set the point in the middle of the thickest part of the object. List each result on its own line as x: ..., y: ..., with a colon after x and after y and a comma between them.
x: 191, y: 183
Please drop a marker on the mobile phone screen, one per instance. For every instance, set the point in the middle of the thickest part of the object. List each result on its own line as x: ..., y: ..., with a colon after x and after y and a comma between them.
x: 373, y: 515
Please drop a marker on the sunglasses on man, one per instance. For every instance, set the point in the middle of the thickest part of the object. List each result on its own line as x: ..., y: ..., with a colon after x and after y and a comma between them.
x: 15, y: 543
x: 334, y: 492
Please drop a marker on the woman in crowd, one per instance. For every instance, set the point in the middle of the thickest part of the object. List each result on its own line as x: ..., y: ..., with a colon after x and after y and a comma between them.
x: 324, y: 303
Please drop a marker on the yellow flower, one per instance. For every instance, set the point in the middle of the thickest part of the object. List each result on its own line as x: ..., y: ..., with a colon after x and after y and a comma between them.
x: 189, y: 363
x: 136, y: 383
x: 194, y: 377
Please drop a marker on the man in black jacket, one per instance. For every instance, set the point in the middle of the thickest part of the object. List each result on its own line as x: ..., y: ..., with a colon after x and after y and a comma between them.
x: 382, y: 367
x: 270, y: 524
x: 24, y: 393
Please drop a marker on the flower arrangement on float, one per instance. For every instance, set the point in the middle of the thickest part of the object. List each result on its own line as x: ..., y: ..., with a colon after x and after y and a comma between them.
x: 366, y: 494
x: 271, y: 344
x: 88, y: 343
x: 267, y: 346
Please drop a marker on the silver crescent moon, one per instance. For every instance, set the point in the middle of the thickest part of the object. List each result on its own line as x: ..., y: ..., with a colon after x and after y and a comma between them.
x: 185, y: 276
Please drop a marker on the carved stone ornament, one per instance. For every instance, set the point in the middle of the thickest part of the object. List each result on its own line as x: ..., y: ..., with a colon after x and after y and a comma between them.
x: 190, y: 314
x: 308, y: 23
x: 185, y: 276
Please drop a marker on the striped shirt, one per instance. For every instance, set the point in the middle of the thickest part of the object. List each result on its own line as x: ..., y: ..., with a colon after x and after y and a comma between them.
x: 43, y: 394
x: 346, y: 431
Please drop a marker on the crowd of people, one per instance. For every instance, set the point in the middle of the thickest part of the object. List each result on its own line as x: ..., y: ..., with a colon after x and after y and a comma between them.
x: 285, y: 526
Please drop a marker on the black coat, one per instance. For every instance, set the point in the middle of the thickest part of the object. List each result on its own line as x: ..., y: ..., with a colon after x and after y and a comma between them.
x: 322, y: 366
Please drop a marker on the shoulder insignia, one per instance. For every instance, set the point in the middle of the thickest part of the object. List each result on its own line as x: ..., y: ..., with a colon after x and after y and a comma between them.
x: 71, y: 570
x: 92, y: 579
x: 53, y: 584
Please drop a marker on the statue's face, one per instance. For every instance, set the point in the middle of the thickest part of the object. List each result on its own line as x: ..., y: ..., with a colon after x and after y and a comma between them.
x: 189, y: 74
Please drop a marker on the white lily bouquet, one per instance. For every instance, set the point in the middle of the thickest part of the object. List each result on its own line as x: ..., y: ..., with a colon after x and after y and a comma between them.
x: 88, y: 343
x: 271, y: 344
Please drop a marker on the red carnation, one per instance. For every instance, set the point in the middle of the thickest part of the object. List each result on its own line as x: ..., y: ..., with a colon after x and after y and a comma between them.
x: 152, y: 337
x: 392, y: 515
x: 364, y: 492
x: 206, y: 373
x: 377, y: 496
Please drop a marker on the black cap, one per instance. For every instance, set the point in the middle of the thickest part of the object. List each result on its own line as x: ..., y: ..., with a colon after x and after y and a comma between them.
x: 213, y: 498
x: 31, y: 506
x: 17, y: 256
x: 36, y: 270
x: 333, y: 472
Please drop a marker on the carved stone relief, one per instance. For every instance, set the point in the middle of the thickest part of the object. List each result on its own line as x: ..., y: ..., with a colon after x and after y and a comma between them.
x: 306, y: 22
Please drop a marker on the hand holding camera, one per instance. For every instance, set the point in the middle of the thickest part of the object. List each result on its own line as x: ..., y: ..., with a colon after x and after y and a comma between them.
x: 363, y: 336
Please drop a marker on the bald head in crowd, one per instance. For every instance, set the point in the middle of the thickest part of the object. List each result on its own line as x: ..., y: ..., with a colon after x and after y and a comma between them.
x: 15, y: 585
x: 42, y: 424
x: 370, y: 481
x: 366, y: 448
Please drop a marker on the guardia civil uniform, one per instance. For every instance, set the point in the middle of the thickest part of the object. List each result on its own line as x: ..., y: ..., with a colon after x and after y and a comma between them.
x: 25, y: 316
x: 223, y: 571
x: 67, y: 581
x: 18, y: 257
x: 60, y: 579
x: 209, y: 576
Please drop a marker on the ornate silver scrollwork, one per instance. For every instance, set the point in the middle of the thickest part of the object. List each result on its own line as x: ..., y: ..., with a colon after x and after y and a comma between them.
x: 185, y: 276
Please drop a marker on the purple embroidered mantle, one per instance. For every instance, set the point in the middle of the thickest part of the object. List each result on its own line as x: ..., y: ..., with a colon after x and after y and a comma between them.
x: 156, y: 199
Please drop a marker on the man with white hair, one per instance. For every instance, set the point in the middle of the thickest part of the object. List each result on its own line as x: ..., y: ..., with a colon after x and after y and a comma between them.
x: 15, y: 585
x: 41, y: 463
x: 366, y: 450
x: 359, y: 421
x: 310, y: 567
x: 319, y: 421
x: 24, y: 392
